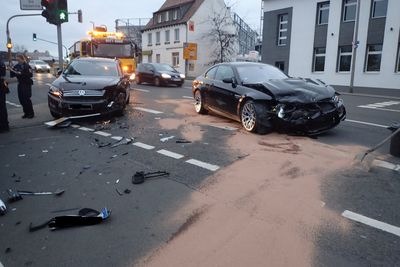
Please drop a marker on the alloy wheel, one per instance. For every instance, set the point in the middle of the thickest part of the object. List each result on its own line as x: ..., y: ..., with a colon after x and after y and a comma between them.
x: 197, y: 101
x: 248, y: 116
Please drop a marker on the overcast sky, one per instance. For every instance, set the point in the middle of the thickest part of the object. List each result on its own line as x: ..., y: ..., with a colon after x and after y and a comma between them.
x: 98, y: 11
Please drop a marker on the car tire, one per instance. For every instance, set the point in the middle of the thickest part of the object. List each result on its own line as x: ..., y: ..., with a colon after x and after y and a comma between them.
x: 138, y: 81
x: 55, y: 115
x: 254, y: 117
x: 180, y: 85
x: 157, y: 82
x: 199, y: 103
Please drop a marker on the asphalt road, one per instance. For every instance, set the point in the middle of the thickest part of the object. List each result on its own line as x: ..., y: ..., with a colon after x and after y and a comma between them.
x: 35, y: 158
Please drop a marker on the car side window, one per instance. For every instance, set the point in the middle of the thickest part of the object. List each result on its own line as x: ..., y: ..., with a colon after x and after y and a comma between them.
x: 211, y: 73
x: 224, y: 72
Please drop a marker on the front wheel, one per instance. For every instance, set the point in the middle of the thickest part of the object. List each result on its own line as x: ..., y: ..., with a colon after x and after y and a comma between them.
x: 157, y: 82
x: 55, y: 115
x: 255, y: 118
x: 198, y: 103
x: 138, y: 81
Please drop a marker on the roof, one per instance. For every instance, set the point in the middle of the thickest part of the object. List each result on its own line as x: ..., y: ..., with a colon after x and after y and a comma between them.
x: 193, y: 5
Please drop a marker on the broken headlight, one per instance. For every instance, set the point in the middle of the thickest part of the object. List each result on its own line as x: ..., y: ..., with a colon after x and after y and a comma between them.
x: 335, y: 98
x: 55, y: 91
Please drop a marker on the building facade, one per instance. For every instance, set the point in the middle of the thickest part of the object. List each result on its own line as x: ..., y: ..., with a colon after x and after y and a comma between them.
x: 246, y: 36
x: 314, y: 38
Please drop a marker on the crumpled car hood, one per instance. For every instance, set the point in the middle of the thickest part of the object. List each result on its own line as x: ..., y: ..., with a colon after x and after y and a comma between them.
x: 84, y: 83
x: 298, y: 91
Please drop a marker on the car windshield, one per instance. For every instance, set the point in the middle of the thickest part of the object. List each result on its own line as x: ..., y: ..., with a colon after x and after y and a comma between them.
x: 92, y: 68
x: 112, y: 50
x: 39, y: 62
x: 164, y: 67
x: 259, y: 73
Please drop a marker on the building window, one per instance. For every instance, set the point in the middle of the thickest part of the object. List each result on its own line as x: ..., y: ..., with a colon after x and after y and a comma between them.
x: 158, y: 58
x: 280, y: 65
x: 158, y: 38
x: 379, y: 8
x: 167, y: 16
x: 323, y: 13
x: 175, y: 59
x: 374, y: 56
x: 283, y: 27
x: 349, y: 10
x: 398, y: 59
x: 167, y: 36
x: 345, y: 54
x: 177, y: 38
x: 175, y: 14
x: 150, y: 39
x: 159, y: 18
x: 319, y: 59
x: 149, y: 59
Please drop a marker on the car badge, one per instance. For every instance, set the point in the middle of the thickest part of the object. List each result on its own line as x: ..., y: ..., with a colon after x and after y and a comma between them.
x: 81, y: 92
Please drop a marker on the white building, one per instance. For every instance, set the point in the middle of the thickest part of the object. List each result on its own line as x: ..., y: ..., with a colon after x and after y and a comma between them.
x: 313, y: 38
x: 178, y: 22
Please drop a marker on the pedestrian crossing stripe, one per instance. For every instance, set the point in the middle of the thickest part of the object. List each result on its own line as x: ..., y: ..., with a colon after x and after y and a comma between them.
x: 381, y: 104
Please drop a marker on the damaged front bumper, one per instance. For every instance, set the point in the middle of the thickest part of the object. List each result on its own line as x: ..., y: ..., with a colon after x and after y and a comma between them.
x: 66, y: 107
x: 310, y: 119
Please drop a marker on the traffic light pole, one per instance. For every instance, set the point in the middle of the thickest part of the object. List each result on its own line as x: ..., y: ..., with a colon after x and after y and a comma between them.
x: 8, y: 33
x: 60, y: 48
x: 50, y: 42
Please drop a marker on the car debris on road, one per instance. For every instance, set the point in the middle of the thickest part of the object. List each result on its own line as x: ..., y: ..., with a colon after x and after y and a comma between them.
x: 85, y: 217
x: 3, y: 208
x: 17, y: 195
x: 141, y: 176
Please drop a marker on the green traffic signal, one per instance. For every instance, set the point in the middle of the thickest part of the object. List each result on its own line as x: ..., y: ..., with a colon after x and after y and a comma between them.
x: 63, y: 16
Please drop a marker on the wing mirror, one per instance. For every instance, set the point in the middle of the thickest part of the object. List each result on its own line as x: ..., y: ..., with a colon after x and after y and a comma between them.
x: 58, y: 72
x: 231, y: 81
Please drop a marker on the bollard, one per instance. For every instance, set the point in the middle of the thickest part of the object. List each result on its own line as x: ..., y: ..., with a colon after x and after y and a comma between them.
x: 395, y: 141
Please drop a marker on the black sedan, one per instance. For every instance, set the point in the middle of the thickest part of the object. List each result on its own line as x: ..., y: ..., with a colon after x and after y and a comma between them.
x: 158, y: 74
x: 263, y: 98
x: 89, y: 85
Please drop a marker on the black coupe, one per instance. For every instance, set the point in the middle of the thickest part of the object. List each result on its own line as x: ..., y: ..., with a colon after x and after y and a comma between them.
x: 263, y: 98
x: 90, y: 85
x: 158, y: 74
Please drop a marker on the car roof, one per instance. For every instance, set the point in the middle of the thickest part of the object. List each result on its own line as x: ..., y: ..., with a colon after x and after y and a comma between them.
x: 96, y: 59
x: 240, y: 63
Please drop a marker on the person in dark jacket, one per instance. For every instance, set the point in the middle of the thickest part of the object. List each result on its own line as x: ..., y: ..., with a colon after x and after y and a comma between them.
x: 3, y: 91
x: 23, y: 72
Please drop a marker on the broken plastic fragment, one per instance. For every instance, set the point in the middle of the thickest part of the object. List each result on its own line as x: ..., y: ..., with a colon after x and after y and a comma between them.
x: 3, y: 208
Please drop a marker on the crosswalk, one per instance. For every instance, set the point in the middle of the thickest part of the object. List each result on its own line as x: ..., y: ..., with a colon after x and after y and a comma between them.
x: 380, y: 105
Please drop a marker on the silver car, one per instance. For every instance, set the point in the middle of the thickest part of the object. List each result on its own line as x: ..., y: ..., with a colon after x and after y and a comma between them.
x: 39, y: 66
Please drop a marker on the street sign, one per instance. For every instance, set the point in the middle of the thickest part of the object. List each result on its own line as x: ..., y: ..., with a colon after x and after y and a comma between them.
x: 190, y: 51
x: 30, y: 4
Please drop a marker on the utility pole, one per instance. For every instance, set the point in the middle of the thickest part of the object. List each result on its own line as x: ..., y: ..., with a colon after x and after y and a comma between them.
x: 60, y: 48
x: 355, y: 46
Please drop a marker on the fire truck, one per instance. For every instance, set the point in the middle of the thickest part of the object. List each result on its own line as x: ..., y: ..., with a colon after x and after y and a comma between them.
x: 101, y: 43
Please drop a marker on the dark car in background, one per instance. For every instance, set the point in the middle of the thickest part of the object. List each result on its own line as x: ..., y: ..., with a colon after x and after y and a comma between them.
x: 90, y: 85
x: 263, y: 98
x: 158, y: 74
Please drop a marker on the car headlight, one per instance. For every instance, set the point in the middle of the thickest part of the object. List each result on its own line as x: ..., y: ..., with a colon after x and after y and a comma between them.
x: 132, y: 77
x: 335, y: 98
x: 55, y: 91
x: 166, y: 76
x: 37, y: 66
x: 182, y: 76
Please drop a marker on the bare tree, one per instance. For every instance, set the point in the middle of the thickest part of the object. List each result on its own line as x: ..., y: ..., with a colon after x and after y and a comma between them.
x: 20, y: 48
x: 222, y: 34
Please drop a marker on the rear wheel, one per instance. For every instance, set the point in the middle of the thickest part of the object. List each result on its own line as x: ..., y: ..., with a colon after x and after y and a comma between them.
x: 255, y: 118
x: 198, y: 103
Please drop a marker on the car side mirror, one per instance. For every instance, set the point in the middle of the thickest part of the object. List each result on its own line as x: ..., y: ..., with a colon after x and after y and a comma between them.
x: 231, y: 81
x: 58, y: 72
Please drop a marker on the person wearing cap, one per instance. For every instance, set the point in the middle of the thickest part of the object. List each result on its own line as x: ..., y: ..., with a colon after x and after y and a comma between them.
x: 23, y: 72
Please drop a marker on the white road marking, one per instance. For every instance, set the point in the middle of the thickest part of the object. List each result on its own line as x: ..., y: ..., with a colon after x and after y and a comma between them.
x: 228, y: 128
x: 75, y: 126
x: 141, y: 90
x: 152, y: 111
x: 13, y: 104
x: 383, y: 109
x: 367, y: 123
x: 203, y: 165
x: 118, y: 138
x: 170, y: 154
x: 386, y: 165
x: 371, y: 222
x: 85, y: 129
x: 188, y: 97
x: 381, y: 104
x: 103, y: 134
x: 165, y: 139
x: 144, y: 146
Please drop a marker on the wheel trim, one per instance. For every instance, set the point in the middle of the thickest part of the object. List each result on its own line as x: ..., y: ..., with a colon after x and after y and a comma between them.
x: 249, y: 116
x: 197, y: 101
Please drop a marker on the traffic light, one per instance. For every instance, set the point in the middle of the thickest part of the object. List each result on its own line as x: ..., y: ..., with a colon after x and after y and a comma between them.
x: 62, y: 11
x: 55, y: 11
x: 80, y: 18
x: 49, y: 7
x: 34, y: 37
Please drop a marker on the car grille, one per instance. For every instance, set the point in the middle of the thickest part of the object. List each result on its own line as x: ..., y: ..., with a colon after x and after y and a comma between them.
x: 87, y: 93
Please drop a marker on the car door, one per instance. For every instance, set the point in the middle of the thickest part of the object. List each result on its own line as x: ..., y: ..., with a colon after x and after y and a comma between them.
x: 209, y: 77
x: 147, y: 75
x: 224, y: 94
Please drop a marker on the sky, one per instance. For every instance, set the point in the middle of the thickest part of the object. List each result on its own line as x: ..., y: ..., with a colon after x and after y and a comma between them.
x: 98, y: 11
